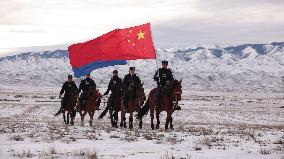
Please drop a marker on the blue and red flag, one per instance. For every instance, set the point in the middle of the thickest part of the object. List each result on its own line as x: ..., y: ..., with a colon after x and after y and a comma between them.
x: 112, y: 48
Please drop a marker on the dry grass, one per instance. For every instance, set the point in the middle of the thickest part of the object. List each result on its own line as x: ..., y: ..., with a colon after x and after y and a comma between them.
x: 52, y: 151
x: 24, y: 154
x: 173, y: 140
x: 197, y: 147
x: 92, y: 155
x: 17, y: 138
x: 167, y: 155
x: 148, y: 136
x: 265, y: 151
x: 212, y: 141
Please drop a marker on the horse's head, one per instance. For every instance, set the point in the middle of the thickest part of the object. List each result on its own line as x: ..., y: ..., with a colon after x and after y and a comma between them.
x: 176, y: 90
x: 92, y: 92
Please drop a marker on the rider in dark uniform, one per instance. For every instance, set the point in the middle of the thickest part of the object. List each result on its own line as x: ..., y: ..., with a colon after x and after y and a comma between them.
x: 129, y: 79
x: 84, y: 86
x: 67, y: 88
x: 115, y: 86
x: 163, y: 77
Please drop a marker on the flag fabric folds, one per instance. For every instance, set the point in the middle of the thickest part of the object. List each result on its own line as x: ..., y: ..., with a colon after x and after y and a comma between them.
x: 112, y: 48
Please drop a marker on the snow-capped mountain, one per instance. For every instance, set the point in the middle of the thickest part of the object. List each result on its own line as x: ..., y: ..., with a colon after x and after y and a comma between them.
x: 242, y: 68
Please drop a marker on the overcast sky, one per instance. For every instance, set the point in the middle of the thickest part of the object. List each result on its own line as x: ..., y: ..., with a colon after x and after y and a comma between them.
x: 27, y: 23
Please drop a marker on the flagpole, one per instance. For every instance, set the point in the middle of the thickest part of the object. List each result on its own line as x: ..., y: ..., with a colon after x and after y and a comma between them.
x: 157, y: 67
x: 156, y: 60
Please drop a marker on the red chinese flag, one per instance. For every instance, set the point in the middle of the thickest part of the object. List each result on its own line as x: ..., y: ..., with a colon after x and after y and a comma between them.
x: 120, y: 44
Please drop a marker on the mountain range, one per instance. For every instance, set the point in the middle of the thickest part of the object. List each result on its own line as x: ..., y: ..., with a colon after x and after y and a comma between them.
x: 241, y: 68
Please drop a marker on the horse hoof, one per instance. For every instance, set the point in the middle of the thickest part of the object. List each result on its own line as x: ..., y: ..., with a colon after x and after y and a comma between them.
x: 152, y: 126
x: 172, y: 127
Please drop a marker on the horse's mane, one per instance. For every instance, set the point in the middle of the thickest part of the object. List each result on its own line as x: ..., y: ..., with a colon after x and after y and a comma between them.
x: 134, y: 91
x: 171, y: 87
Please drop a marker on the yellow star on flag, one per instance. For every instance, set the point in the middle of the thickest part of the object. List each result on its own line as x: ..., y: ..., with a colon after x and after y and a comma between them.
x: 141, y: 35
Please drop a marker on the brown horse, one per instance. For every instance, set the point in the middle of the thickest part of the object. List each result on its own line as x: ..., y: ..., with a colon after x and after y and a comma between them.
x: 71, y: 100
x: 136, y: 99
x: 91, y: 105
x: 169, y: 103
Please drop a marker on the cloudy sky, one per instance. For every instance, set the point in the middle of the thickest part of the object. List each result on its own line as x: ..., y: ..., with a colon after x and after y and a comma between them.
x: 30, y: 23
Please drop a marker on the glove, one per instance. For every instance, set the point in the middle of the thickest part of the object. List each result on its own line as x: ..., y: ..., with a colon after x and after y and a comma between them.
x: 167, y: 82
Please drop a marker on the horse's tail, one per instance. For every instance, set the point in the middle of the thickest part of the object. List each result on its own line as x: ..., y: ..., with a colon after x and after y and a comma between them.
x: 143, y: 111
x: 103, y: 113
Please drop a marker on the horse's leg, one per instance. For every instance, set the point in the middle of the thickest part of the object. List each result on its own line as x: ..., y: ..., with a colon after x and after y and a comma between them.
x: 91, y: 114
x: 72, y: 116
x: 64, y: 117
x: 140, y: 123
x: 167, y: 120
x: 158, y: 119
x: 131, y: 120
x: 151, y: 113
x: 115, y: 118
x: 72, y: 119
x: 171, y: 123
x: 122, y: 115
x: 111, y: 116
x: 82, y: 117
x: 123, y: 120
x: 68, y: 114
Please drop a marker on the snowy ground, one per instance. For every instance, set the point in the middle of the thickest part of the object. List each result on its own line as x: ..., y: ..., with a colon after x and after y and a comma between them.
x: 210, y: 125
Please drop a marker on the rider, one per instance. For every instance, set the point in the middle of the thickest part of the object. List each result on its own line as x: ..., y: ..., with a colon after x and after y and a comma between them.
x: 68, y: 87
x: 163, y: 77
x: 129, y: 79
x: 114, y: 85
x: 84, y: 86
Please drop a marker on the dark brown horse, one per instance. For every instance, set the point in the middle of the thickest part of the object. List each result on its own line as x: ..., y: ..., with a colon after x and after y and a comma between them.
x: 91, y: 105
x: 136, y: 99
x: 169, y: 102
x: 71, y: 100
x: 113, y: 106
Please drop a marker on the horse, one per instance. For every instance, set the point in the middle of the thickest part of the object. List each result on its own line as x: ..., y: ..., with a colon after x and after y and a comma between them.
x: 91, y: 104
x: 169, y: 103
x: 136, y: 99
x: 71, y: 100
x: 113, y: 106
